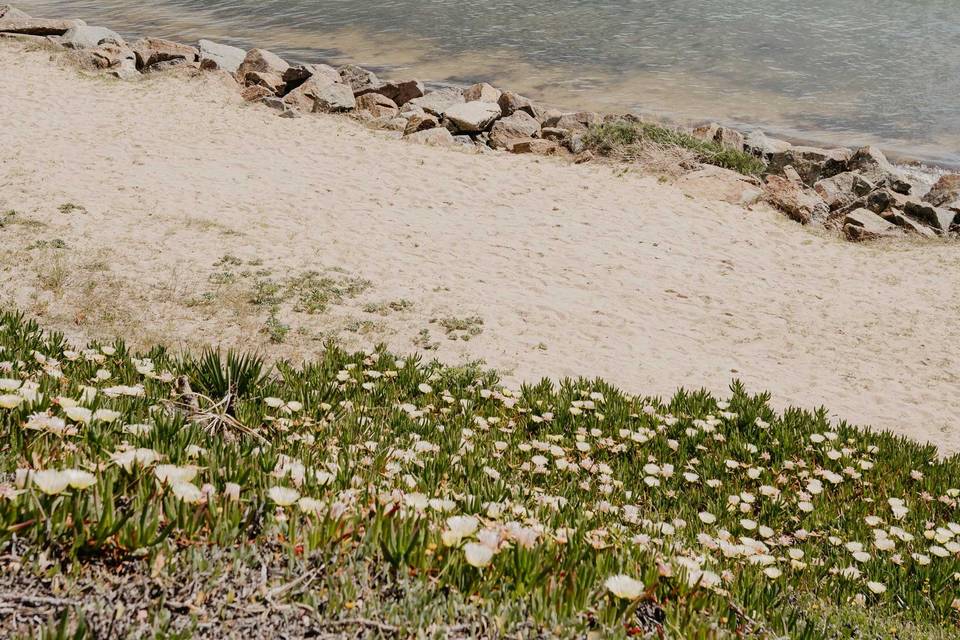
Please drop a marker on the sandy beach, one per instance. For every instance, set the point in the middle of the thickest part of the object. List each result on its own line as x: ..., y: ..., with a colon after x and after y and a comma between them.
x: 170, y: 200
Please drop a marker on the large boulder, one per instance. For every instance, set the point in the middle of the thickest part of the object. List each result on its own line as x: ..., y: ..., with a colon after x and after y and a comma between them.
x: 400, y: 92
x: 482, y: 92
x: 724, y: 136
x: 437, y: 102
x: 511, y: 102
x: 377, y: 105
x: 796, y: 200
x: 939, y: 218
x: 436, y: 137
x: 334, y: 98
x: 579, y: 121
x: 359, y: 79
x: 472, y: 117
x: 842, y: 189
x: 519, y: 126
x: 420, y: 121
x: 266, y: 64
x: 897, y: 217
x: 214, y: 55
x: 38, y: 26
x: 150, y: 51
x: 272, y: 81
x: 535, y: 146
x: 86, y: 37
x: 812, y: 163
x: 715, y: 183
x: 945, y: 193
x: 298, y: 75
x: 863, y: 224
x: 304, y: 96
x: 873, y: 164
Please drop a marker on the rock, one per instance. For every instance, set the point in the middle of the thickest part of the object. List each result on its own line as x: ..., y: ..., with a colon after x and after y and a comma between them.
x: 298, y: 75
x: 482, y: 92
x: 871, y: 162
x: 126, y: 70
x: 791, y: 174
x: 842, y: 189
x: 436, y: 137
x: 10, y: 13
x: 399, y: 92
x: 334, y: 98
x: 863, y: 224
x: 437, y: 102
x: 553, y: 133
x: 945, y: 193
x: 797, y: 201
x: 110, y: 56
x: 714, y: 183
x: 399, y: 123
x: 150, y: 51
x: 519, y: 126
x: 359, y: 79
x: 896, y: 216
x: 275, y: 103
x: 582, y: 157
x: 812, y: 163
x: 214, y: 55
x: 272, y: 81
x: 255, y: 93
x: 938, y: 218
x: 576, y: 143
x: 378, y: 105
x: 85, y: 37
x: 724, y: 136
x: 762, y: 146
x: 420, y: 122
x: 579, y: 121
x: 267, y: 64
x: 39, y: 26
x: 511, y: 102
x: 533, y: 145
x: 304, y: 96
x: 472, y: 117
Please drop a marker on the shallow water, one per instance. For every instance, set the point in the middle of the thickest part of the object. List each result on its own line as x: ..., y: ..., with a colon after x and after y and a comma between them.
x: 837, y: 71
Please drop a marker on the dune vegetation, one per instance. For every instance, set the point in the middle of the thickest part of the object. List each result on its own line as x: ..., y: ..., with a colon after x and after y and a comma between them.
x: 369, y: 494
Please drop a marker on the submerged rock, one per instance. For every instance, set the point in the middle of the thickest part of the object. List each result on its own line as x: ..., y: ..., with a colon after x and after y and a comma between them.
x: 214, y: 55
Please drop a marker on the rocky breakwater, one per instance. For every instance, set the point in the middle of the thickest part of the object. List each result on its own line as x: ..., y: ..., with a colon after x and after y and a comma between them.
x: 856, y: 192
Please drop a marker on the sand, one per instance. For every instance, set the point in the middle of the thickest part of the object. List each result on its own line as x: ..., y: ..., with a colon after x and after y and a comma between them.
x: 573, y: 269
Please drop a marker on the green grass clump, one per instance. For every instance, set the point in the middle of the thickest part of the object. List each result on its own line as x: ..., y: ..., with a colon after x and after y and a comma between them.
x: 622, y: 139
x: 148, y: 495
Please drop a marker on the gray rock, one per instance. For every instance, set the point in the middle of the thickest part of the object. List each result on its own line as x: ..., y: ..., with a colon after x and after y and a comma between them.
x: 553, y: 133
x: 11, y: 13
x: 437, y: 102
x: 420, y: 122
x: 519, y: 126
x: 482, y: 92
x: 896, y: 216
x: 85, y: 37
x: 126, y: 70
x: 296, y: 76
x: 764, y: 147
x: 812, y: 163
x: 945, y: 193
x: 472, y: 117
x: 150, y: 51
x: 176, y: 64
x: 863, y: 224
x: 334, y: 98
x: 359, y: 79
x: 214, y: 55
x: 797, y: 201
x: 511, y: 102
x: 873, y: 164
x: 304, y: 96
x: 939, y: 218
x: 39, y: 26
x: 842, y: 189
x: 263, y: 62
x: 579, y: 121
x: 576, y: 143
x: 436, y: 137
x: 272, y: 81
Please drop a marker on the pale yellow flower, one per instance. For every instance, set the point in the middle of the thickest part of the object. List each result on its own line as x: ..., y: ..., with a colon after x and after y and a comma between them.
x: 477, y: 555
x: 624, y: 587
x: 283, y: 496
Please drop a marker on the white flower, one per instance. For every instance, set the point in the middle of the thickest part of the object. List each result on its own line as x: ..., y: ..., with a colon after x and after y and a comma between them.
x: 171, y: 473
x: 283, y: 496
x: 458, y: 528
x: 876, y: 587
x: 477, y: 555
x: 78, y: 414
x: 10, y: 401
x: 425, y: 388
x: 51, y: 481
x: 772, y: 572
x: 310, y: 505
x: 79, y: 479
x: 186, y: 491
x: 707, y: 518
x: 231, y: 491
x: 625, y: 587
x: 129, y: 457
